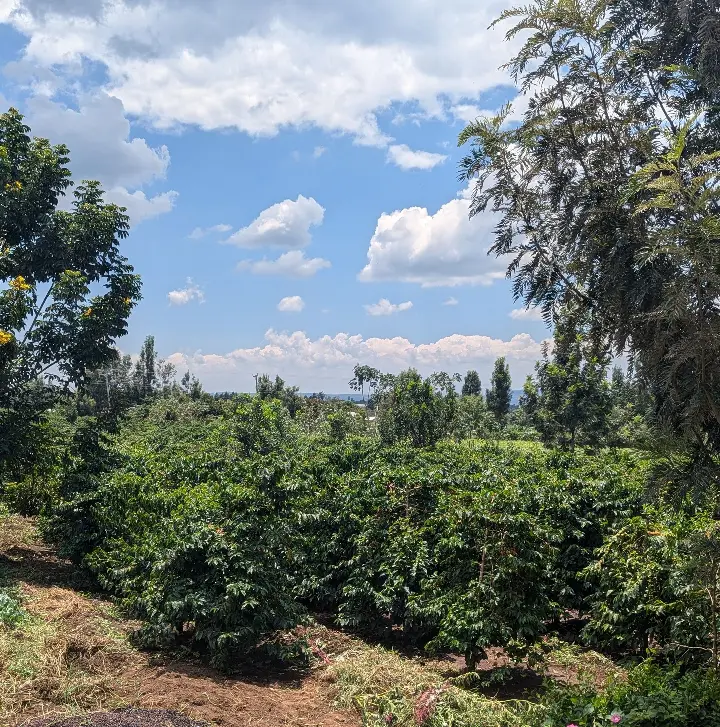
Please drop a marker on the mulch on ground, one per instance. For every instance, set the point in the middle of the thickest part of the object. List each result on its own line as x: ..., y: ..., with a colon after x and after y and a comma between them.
x: 122, y: 718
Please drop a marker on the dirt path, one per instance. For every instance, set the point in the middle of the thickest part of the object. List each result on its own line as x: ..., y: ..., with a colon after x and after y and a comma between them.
x: 72, y: 656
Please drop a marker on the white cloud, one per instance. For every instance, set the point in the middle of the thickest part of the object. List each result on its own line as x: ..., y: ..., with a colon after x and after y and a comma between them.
x: 285, y: 224
x: 291, y: 264
x: 385, y: 308
x: 318, y: 151
x: 406, y: 158
x: 199, y: 232
x: 260, y: 67
x: 468, y: 113
x: 99, y: 138
x: 291, y: 304
x: 325, y: 363
x: 139, y: 206
x: 186, y: 295
x: 451, y: 301
x: 526, y: 314
x: 442, y: 249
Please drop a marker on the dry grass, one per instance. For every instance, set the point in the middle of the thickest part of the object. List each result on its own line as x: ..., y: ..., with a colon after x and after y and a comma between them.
x: 389, y: 689
x: 66, y: 653
x: 16, y: 532
x: 61, y: 658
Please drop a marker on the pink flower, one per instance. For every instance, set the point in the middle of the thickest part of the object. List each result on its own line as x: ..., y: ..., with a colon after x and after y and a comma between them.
x: 572, y: 724
x: 616, y: 718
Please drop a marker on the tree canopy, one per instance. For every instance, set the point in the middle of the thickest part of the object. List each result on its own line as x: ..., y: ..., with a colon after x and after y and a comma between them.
x: 66, y: 291
x: 607, y: 191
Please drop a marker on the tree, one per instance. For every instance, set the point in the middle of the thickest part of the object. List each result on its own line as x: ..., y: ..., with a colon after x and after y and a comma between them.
x: 607, y: 191
x: 191, y: 385
x: 571, y: 398
x: 110, y: 387
x: 288, y: 395
x: 499, y: 395
x: 421, y: 411
x: 68, y: 290
x: 363, y: 375
x: 145, y: 374
x: 471, y: 384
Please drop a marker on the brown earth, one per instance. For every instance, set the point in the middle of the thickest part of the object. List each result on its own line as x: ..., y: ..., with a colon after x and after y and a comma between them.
x: 81, y: 663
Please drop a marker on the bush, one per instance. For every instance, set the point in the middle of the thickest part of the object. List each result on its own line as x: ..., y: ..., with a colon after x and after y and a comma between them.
x: 219, y: 530
x: 651, y: 696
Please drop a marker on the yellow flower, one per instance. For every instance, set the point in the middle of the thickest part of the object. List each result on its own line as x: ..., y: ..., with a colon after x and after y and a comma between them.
x: 5, y: 337
x: 14, y: 187
x: 127, y: 301
x: 87, y: 312
x: 19, y: 284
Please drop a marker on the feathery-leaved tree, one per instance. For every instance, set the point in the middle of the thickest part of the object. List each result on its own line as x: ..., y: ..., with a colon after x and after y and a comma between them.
x: 607, y: 192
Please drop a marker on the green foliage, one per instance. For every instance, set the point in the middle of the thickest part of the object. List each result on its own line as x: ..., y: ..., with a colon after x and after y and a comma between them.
x: 657, y: 583
x: 471, y: 384
x: 52, y: 326
x: 607, y: 190
x: 473, y: 420
x: 499, y: 395
x: 417, y: 410
x: 12, y: 613
x: 288, y: 395
x: 651, y: 696
x: 363, y: 375
x: 570, y: 400
x: 218, y: 523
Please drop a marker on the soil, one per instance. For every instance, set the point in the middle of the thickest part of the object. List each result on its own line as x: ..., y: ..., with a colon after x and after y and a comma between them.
x: 161, y: 692
x: 122, y: 718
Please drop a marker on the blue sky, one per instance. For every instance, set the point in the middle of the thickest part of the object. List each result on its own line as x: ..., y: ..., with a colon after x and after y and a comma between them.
x: 290, y: 169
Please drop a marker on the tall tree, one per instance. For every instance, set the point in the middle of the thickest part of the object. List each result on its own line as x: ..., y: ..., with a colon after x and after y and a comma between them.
x: 607, y: 192
x: 53, y: 329
x: 499, y: 395
x: 145, y: 373
x: 363, y: 375
x: 471, y: 384
x: 570, y: 399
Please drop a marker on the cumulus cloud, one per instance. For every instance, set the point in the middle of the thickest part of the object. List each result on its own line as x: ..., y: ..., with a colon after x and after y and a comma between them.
x: 385, y: 308
x: 199, y: 232
x: 526, y: 314
x: 99, y: 138
x: 186, y: 295
x: 451, y: 301
x: 260, y: 67
x: 325, y: 363
x: 291, y: 304
x: 442, y: 249
x: 139, y: 206
x: 291, y: 264
x: 406, y: 158
x: 285, y: 224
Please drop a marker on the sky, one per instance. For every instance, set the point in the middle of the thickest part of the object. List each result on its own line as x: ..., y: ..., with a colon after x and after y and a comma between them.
x: 290, y: 169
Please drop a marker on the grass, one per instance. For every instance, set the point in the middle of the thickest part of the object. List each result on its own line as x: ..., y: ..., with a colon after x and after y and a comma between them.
x: 389, y: 689
x: 59, y: 650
